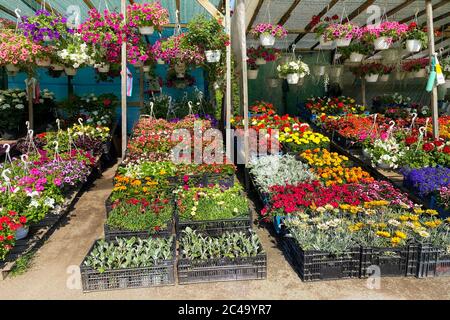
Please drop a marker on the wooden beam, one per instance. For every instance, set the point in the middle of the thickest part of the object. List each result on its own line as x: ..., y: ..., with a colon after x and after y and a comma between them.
x: 288, y: 13
x: 434, y: 93
x: 354, y: 14
x: 309, y: 26
x: 399, y: 7
x: 8, y: 11
x: 211, y: 9
x: 255, y: 14
x: 48, y: 7
x: 89, y: 4
x: 421, y: 13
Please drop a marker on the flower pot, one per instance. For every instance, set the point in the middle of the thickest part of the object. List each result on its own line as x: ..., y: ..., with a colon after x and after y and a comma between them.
x: 22, y: 233
x: 43, y: 62
x: 146, y: 68
x: 57, y: 67
x: 384, y: 78
x: 252, y: 74
x: 372, y: 78
x: 356, y: 57
x: 273, y: 82
x: 160, y: 61
x: 325, y: 43
x: 413, y: 45
x: 293, y: 78
x: 400, y: 75
x: 266, y: 40
x: 343, y: 42
x: 146, y: 30
x: 384, y: 166
x: 70, y: 71
x: 12, y: 68
x: 422, y: 73
x: 382, y: 43
x: 319, y: 70
x: 336, y: 71
x: 212, y: 56
x: 104, y: 68
x: 260, y: 61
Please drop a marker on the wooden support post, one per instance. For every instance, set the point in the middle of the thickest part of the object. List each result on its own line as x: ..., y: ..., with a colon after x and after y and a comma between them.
x: 124, y: 85
x: 363, y: 92
x: 434, y: 94
x: 229, y: 136
x: 141, y: 88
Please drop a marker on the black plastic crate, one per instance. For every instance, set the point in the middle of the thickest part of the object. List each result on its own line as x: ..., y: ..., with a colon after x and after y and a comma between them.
x: 262, y: 196
x: 433, y: 262
x: 319, y: 265
x: 204, y: 180
x: 344, y: 142
x: 393, y: 262
x: 215, y: 227
x: 225, y: 269
x: 162, y: 274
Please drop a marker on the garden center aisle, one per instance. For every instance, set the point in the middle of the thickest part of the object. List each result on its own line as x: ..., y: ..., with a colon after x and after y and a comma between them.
x: 47, y: 277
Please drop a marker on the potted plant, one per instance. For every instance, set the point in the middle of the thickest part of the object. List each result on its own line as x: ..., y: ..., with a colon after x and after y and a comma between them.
x: 416, y: 68
x: 13, y: 227
x: 383, y: 35
x: 319, y: 26
x: 45, y: 26
x: 147, y: 17
x: 416, y: 38
x: 445, y: 63
x: 209, y: 35
x: 267, y: 33
x: 16, y: 50
x: 370, y: 71
x: 355, y: 52
x: 177, y: 50
x: 293, y: 71
x: 75, y: 54
x: 342, y: 33
x: 386, y: 72
x: 253, y: 68
x: 43, y: 57
x: 262, y: 55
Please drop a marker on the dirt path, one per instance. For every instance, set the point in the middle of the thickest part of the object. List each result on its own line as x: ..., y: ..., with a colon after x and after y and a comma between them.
x: 53, y: 274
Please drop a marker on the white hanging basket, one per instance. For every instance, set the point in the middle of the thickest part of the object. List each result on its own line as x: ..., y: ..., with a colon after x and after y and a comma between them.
x: 384, y: 78
x: 43, y: 62
x: 318, y: 70
x: 212, y: 56
x: 356, y: 57
x: 57, y: 67
x: 371, y: 78
x: 260, y: 61
x: 293, y: 78
x: 160, y: 61
x: 252, y: 74
x: 343, y: 42
x: 413, y: 45
x: 12, y: 67
x: 266, y: 40
x: 422, y: 73
x: 104, y: 68
x: 146, y: 31
x: 146, y: 68
x: 70, y: 71
x: 325, y: 43
x: 382, y: 43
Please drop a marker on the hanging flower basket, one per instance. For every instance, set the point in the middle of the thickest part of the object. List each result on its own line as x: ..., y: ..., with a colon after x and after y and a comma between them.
x: 252, y: 74
x: 343, y: 42
x: 267, y: 40
x: 382, y: 43
x: 70, y: 71
x: 356, y: 57
x: 318, y: 70
x: 422, y: 73
x: 147, y: 31
x: 384, y: 78
x: 372, y: 78
x: 292, y: 78
x: 413, y: 45
x: 260, y: 61
x: 268, y: 33
x: 57, y: 67
x: 416, y: 38
x: 383, y: 35
x: 12, y: 67
x: 213, y: 56
x: 146, y: 68
x: 104, y: 68
x: 325, y: 43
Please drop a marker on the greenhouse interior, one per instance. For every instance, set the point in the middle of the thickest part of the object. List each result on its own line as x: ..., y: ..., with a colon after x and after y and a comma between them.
x: 225, y: 149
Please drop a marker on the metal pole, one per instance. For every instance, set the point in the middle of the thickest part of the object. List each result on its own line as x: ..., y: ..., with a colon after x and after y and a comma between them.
x: 124, y: 85
x: 434, y: 94
x: 30, y: 103
x: 363, y: 92
x: 229, y: 141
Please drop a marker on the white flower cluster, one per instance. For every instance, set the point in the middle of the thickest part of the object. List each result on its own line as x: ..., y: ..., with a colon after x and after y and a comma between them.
x: 12, y: 99
x: 76, y: 54
x: 292, y: 67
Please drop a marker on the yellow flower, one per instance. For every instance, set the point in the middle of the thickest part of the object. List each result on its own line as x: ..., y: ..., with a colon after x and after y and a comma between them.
x: 383, y: 234
x: 432, y: 212
x: 395, y: 241
x: 162, y: 172
x: 400, y: 234
x: 136, y: 183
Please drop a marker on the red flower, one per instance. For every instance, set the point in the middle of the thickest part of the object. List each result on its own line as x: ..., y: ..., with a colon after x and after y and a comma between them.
x: 23, y: 220
x: 410, y: 140
x: 412, y: 25
x: 428, y: 147
x: 446, y: 150
x: 106, y: 102
x: 438, y: 143
x: 10, y: 237
x: 157, y: 228
x: 2, y: 238
x: 12, y: 213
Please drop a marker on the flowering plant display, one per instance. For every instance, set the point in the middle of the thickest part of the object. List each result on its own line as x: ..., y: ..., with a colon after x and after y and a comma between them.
x: 445, y: 63
x: 268, y: 29
x: 394, y: 31
x: 7, y: 24
x: 17, y: 49
x: 319, y: 26
x: 443, y: 198
x: 333, y: 106
x: 369, y: 69
x: 342, y: 175
x: 386, y: 152
x: 45, y: 26
x: 427, y: 180
x: 267, y: 54
x: 76, y: 53
x: 415, y: 65
x: 262, y: 107
x: 176, y: 49
x: 207, y: 33
x: 214, y: 203
x: 319, y: 158
x: 10, y: 222
x: 414, y: 32
x: 347, y: 30
x: 293, y: 67
x: 12, y: 108
x: 147, y: 15
x: 272, y: 170
x: 297, y: 142
x: 355, y: 47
